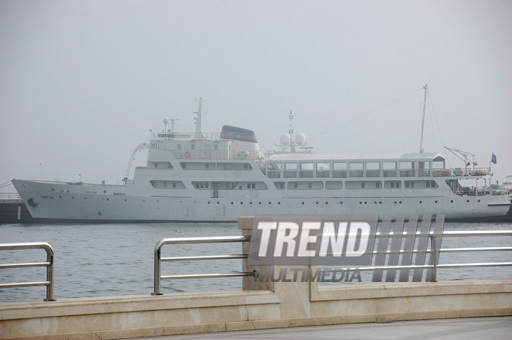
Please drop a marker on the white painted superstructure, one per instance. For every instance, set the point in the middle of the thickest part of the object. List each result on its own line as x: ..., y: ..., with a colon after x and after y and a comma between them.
x: 220, y: 177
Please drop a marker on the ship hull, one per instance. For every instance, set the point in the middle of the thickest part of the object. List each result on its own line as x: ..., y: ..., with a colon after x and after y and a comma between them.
x: 77, y: 203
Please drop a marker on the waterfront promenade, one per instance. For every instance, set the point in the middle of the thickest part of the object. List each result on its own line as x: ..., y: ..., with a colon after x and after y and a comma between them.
x: 268, y: 309
x: 490, y: 328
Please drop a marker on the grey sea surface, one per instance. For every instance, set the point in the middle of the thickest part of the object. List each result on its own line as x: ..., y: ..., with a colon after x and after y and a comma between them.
x: 103, y: 260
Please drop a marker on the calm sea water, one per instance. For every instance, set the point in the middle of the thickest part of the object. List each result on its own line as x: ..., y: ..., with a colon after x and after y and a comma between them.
x: 94, y: 260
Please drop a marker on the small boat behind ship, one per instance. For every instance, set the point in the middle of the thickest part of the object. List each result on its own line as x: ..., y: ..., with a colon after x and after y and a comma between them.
x: 220, y: 177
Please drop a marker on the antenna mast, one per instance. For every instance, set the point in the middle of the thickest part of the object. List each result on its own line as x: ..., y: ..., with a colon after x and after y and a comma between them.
x: 290, y: 131
x: 423, y: 119
x: 199, y: 121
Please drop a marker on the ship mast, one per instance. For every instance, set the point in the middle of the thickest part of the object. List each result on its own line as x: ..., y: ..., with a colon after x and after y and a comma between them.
x: 199, y: 121
x: 290, y: 131
x: 423, y: 119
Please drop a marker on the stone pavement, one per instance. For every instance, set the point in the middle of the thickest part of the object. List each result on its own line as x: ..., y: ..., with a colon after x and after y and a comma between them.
x: 487, y: 328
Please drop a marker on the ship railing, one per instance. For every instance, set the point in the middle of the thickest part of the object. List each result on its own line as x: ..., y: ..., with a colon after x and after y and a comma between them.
x: 158, y: 259
x: 48, y: 264
x: 9, y: 196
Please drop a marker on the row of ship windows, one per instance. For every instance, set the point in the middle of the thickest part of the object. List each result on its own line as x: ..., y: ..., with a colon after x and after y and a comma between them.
x: 298, y: 185
x: 203, y: 165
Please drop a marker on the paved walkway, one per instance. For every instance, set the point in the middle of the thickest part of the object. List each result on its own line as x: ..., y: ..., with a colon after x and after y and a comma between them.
x: 447, y: 329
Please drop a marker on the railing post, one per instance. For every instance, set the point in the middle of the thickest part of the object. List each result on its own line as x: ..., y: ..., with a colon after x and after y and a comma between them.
x: 434, y: 253
x: 157, y: 270
x: 49, y: 274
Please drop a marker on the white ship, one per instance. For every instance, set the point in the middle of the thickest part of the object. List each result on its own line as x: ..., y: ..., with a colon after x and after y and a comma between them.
x: 199, y: 177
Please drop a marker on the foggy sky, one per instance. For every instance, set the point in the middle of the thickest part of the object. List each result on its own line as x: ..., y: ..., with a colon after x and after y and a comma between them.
x: 83, y: 82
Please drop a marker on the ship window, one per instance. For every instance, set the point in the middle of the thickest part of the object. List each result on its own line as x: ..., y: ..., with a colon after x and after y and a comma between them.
x: 339, y: 166
x: 372, y: 165
x: 216, y: 147
x: 315, y: 185
x: 306, y: 170
x: 179, y: 146
x: 356, y: 169
x: 333, y: 185
x: 356, y: 166
x: 279, y: 185
x: 389, y: 165
x: 234, y: 166
x: 354, y: 185
x: 372, y: 169
x: 167, y: 184
x: 406, y: 165
x: 192, y: 146
x: 290, y: 166
x: 392, y: 184
x: 323, y: 169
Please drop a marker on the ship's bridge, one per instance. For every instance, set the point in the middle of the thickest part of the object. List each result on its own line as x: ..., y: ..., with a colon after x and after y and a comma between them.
x: 233, y: 143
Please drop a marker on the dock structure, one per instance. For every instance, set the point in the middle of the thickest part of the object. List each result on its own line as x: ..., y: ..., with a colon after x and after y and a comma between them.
x: 263, y: 304
x: 13, y: 210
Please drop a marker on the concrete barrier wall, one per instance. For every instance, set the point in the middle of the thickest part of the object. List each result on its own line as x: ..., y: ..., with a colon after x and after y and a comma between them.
x: 260, y: 305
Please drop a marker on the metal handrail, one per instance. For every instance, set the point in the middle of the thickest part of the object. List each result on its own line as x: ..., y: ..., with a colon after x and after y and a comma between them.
x: 434, y: 266
x: 48, y: 264
x: 194, y: 240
